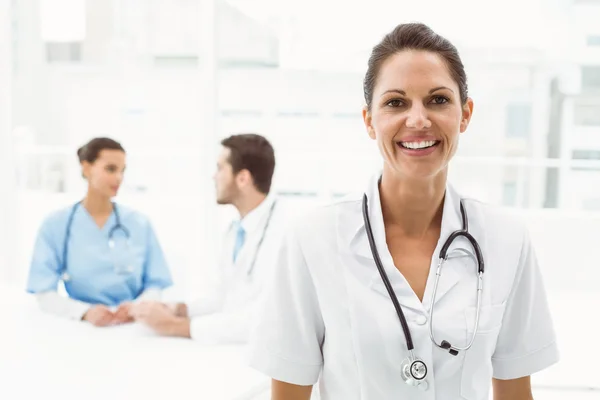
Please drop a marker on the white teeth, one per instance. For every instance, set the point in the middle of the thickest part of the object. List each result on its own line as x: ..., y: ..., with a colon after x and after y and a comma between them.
x: 418, y: 145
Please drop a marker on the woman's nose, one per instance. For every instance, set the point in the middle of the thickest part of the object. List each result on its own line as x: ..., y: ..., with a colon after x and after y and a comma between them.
x: 417, y: 118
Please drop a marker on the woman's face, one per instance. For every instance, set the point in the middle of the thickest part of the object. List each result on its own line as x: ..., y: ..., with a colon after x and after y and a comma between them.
x: 105, y: 175
x: 416, y: 114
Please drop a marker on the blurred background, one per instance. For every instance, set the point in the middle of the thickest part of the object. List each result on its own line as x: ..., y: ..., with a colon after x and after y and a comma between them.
x: 170, y: 78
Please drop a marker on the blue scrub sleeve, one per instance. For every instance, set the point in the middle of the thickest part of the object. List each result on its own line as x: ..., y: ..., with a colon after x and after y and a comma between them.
x: 156, y: 270
x: 44, y: 271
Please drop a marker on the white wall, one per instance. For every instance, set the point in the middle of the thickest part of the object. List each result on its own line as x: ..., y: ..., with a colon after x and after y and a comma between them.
x: 566, y: 245
x: 7, y: 177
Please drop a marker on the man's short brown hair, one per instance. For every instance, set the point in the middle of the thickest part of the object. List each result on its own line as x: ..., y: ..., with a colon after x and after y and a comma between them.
x: 254, y: 153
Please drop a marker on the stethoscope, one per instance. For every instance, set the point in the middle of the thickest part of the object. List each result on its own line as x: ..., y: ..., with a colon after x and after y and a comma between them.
x: 111, y: 242
x: 413, y: 369
x: 262, y: 238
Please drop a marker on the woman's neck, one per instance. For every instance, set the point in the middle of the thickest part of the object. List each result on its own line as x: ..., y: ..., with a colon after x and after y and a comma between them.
x: 413, y: 205
x: 97, y: 205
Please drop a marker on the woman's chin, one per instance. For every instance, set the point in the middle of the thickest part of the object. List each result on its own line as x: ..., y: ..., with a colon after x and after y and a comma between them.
x: 422, y: 171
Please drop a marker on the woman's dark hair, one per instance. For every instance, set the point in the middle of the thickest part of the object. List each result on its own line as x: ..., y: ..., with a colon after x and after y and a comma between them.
x: 254, y: 153
x: 414, y: 36
x: 90, y: 151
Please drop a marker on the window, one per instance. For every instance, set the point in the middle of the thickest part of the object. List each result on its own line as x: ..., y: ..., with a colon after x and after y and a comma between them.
x: 63, y: 21
x: 63, y: 52
x: 586, y: 114
x: 586, y: 154
x: 591, y: 204
x: 518, y: 120
x: 297, y: 114
x: 509, y: 194
x: 347, y: 115
x: 241, y: 113
x: 590, y: 155
x: 174, y: 28
x: 593, y: 40
x: 590, y: 78
x: 182, y: 61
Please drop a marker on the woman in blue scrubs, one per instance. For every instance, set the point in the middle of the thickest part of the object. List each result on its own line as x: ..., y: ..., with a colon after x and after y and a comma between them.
x: 107, y: 255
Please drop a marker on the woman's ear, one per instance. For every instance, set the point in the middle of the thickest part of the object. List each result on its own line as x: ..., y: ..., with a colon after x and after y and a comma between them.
x: 85, y: 169
x: 467, y: 113
x: 367, y: 119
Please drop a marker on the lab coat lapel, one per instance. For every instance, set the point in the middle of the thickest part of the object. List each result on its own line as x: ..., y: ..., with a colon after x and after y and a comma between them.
x: 255, y: 228
x: 461, y: 257
x: 365, y: 265
x: 244, y: 258
x: 354, y: 236
x: 228, y: 266
x: 241, y: 266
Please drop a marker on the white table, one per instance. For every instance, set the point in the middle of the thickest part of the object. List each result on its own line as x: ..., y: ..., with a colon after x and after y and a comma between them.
x: 45, y: 357
x: 42, y: 357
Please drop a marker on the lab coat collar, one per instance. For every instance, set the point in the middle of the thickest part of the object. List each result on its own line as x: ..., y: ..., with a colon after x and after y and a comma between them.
x: 359, y: 245
x: 253, y: 224
x: 254, y: 219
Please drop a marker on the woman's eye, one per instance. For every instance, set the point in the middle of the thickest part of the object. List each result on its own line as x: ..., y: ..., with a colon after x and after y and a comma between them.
x: 439, y: 100
x: 394, y: 103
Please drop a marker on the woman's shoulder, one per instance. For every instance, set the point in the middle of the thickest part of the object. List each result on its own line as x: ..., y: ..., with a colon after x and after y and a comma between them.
x: 494, y: 217
x: 54, y: 224
x: 59, y: 216
x: 503, y: 231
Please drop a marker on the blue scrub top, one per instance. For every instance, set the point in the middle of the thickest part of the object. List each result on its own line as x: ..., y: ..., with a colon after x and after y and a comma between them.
x: 92, y: 276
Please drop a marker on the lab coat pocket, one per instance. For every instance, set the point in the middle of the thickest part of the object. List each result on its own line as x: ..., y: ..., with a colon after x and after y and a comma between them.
x: 477, y: 367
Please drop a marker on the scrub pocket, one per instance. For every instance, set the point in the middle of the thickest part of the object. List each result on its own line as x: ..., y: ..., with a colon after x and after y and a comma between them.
x: 128, y: 269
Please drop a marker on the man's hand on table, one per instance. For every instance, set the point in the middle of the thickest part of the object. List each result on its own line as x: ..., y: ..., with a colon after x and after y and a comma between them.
x: 161, y: 318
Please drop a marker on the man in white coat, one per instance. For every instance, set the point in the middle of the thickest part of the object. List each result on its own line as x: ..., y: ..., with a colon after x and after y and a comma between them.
x: 243, y: 179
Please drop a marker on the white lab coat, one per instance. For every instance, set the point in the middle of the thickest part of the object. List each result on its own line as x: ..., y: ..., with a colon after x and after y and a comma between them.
x: 226, y: 313
x: 328, y: 317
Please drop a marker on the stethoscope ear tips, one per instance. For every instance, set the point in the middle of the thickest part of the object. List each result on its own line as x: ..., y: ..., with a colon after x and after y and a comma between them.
x: 447, y: 346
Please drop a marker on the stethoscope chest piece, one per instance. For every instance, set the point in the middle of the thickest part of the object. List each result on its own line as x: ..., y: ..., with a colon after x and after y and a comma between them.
x: 126, y: 243
x: 414, y: 372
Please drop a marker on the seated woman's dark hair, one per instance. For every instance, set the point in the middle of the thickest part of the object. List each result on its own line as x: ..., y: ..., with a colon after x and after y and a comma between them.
x: 91, y: 150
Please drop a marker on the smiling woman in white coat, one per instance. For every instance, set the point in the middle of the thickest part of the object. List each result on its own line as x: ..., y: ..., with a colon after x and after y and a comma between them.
x: 408, y: 290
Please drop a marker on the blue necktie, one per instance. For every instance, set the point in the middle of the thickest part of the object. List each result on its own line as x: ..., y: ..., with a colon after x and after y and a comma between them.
x: 239, y: 241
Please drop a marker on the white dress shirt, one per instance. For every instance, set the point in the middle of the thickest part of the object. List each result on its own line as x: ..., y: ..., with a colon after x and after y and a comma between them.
x: 328, y: 317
